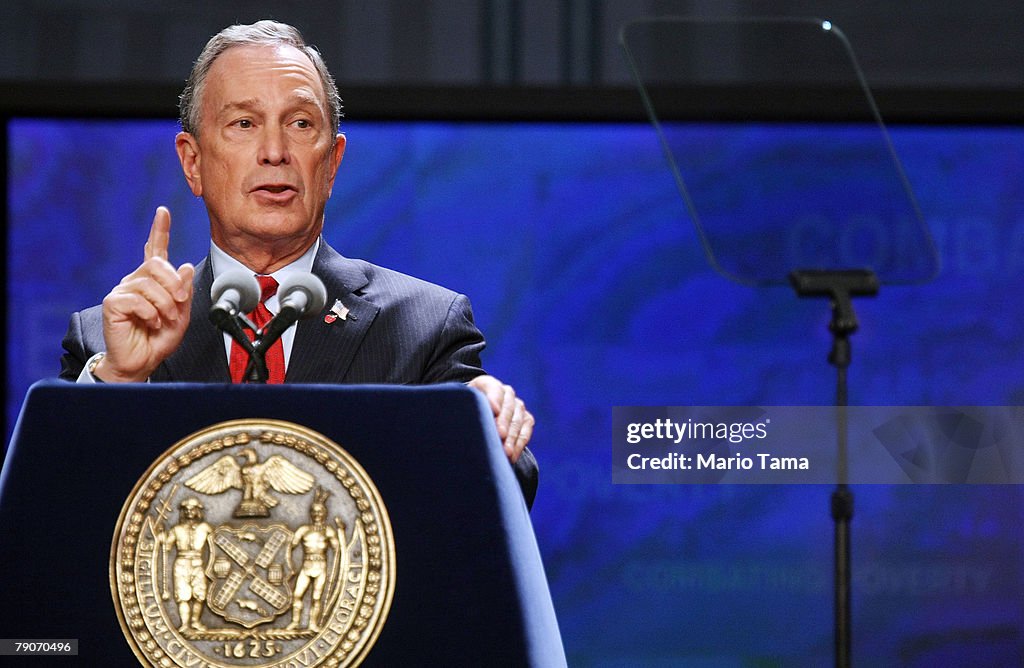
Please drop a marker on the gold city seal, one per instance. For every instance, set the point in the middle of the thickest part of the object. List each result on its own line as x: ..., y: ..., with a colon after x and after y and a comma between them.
x: 253, y: 543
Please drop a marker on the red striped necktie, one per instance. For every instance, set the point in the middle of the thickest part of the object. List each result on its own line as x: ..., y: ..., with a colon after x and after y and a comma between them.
x: 260, y: 316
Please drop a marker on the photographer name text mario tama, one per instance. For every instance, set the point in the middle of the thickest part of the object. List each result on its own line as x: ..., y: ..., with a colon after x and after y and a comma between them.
x: 678, y: 461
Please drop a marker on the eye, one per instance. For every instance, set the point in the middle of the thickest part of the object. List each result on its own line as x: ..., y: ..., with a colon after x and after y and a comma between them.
x: 244, y: 123
x: 303, y: 123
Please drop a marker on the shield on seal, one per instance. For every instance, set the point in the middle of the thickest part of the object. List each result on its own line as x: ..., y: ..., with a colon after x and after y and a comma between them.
x: 250, y: 571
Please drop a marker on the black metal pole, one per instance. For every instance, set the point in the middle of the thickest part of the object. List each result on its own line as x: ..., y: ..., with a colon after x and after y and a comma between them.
x: 842, y: 514
x: 839, y: 286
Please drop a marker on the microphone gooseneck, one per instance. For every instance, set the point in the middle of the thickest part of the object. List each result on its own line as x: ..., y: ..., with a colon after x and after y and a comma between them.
x: 237, y: 292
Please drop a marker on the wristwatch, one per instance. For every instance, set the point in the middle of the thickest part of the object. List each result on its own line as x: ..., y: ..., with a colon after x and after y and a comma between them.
x: 90, y: 366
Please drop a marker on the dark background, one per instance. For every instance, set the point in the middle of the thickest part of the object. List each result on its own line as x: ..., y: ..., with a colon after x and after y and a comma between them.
x: 508, y: 135
x: 938, y: 60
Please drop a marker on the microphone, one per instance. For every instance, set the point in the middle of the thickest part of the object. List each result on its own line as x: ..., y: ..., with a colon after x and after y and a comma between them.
x: 234, y: 293
x: 299, y: 295
x: 237, y: 292
x: 303, y: 292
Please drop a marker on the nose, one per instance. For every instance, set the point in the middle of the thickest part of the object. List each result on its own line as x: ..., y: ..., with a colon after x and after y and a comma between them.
x: 273, y: 148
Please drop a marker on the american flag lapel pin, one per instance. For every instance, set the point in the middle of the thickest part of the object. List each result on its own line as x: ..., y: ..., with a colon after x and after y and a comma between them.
x: 339, y: 310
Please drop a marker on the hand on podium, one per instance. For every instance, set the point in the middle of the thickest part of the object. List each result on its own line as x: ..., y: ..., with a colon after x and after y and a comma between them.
x: 514, y: 422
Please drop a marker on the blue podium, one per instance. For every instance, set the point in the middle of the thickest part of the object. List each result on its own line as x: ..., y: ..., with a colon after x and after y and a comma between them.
x: 469, y: 585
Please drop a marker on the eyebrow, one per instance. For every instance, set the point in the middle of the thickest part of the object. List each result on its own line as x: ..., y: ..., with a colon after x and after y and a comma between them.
x: 250, y: 104
x: 298, y: 99
x: 303, y: 98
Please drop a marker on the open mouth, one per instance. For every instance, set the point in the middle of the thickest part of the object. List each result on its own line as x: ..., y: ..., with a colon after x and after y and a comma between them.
x: 275, y: 193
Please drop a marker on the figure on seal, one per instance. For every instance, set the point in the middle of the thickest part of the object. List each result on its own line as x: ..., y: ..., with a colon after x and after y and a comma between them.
x: 189, y: 536
x: 315, y: 539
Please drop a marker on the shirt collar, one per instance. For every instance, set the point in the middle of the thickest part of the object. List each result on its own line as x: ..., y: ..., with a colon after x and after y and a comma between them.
x: 221, y: 262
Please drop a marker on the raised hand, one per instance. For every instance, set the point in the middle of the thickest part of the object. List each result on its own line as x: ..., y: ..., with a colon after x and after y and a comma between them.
x: 146, y: 315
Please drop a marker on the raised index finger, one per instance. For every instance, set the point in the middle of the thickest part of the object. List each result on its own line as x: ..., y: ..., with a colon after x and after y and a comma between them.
x: 159, y: 234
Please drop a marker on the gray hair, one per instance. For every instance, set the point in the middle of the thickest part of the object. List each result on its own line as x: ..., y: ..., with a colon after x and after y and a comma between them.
x: 261, y: 33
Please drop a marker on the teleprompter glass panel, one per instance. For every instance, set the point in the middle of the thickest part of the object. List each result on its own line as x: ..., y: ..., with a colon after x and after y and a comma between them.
x: 738, y: 105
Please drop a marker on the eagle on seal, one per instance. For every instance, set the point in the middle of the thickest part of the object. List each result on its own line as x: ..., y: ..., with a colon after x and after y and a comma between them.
x: 254, y: 479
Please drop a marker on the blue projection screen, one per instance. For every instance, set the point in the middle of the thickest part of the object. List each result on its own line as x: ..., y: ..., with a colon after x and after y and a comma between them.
x: 590, y: 283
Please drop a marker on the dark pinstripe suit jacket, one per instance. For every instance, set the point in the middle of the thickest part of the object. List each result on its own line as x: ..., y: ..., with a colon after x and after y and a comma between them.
x: 399, y: 330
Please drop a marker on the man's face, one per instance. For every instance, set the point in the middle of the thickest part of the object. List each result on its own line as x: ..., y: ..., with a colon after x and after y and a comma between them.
x: 265, y: 156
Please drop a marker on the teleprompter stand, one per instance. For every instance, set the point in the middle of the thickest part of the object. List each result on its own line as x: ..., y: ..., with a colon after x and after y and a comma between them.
x: 839, y: 287
x: 828, y: 198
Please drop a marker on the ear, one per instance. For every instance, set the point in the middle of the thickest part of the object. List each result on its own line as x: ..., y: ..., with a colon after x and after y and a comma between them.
x: 337, y: 153
x: 188, y: 155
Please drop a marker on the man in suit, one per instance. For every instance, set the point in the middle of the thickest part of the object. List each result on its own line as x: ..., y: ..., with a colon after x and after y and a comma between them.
x: 259, y: 144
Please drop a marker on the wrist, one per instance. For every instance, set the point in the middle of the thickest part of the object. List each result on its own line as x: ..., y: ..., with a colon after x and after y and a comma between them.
x: 102, y: 370
x: 91, y: 364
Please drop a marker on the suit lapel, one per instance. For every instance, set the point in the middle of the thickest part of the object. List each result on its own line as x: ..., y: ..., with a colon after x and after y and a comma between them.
x: 200, y: 357
x: 323, y: 351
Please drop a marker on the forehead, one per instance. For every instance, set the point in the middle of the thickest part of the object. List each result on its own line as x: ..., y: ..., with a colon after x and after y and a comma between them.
x: 265, y: 74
